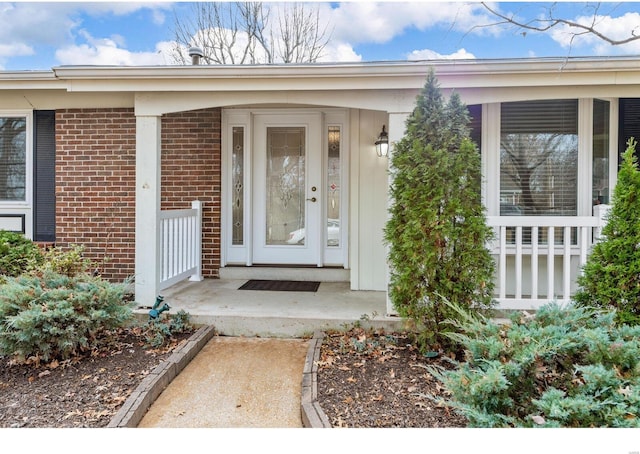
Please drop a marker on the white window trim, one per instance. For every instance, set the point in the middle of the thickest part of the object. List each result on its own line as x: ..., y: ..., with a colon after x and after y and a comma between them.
x: 337, y: 255
x: 491, y: 158
x: 235, y: 253
x: 20, y: 207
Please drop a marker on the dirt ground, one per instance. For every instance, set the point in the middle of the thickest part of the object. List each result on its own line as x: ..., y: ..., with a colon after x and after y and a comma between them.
x: 82, y: 392
x: 364, y: 380
x: 368, y: 379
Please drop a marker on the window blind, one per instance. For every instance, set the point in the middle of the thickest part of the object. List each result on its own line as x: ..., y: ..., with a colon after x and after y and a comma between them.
x: 539, y: 158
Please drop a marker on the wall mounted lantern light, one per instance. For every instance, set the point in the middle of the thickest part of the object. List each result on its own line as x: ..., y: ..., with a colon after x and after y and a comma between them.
x: 382, y: 144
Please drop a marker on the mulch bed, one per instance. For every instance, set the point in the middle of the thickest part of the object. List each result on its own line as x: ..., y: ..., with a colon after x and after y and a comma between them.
x: 372, y: 379
x: 85, y: 391
x: 365, y: 379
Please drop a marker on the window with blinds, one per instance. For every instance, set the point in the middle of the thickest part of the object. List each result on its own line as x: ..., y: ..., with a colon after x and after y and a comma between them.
x: 13, y: 158
x: 539, y: 158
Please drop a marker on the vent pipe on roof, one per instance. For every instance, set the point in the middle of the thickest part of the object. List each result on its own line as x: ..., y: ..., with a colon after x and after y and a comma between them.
x: 196, y: 54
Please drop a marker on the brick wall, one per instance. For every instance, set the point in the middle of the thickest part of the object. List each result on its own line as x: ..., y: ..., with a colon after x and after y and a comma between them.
x: 191, y: 163
x: 95, y: 181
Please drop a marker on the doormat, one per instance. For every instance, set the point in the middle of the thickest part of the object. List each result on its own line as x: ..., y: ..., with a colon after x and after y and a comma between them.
x: 281, y: 286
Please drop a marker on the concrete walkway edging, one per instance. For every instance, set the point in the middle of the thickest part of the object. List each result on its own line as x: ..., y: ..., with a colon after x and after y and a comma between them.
x: 140, y: 400
x: 145, y: 394
x: 313, y: 416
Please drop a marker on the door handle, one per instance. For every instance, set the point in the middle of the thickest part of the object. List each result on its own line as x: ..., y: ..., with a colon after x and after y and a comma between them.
x: 313, y: 199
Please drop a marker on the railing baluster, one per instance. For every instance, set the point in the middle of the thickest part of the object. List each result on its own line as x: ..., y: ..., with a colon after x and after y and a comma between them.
x: 534, y: 262
x: 566, y: 261
x: 584, y: 245
x: 519, y: 262
x: 551, y: 239
x: 180, y: 236
x: 503, y: 262
x: 163, y: 248
x: 519, y: 297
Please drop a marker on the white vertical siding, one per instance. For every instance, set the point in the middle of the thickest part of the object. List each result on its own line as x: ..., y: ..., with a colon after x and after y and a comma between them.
x: 369, y: 193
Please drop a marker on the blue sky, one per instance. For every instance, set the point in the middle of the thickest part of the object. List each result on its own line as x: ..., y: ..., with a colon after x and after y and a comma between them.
x: 49, y: 34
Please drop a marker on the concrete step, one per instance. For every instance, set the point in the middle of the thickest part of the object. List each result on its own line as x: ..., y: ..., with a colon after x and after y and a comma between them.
x: 285, y: 273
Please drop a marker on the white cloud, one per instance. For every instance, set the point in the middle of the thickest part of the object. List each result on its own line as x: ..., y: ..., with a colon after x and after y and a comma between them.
x: 617, y: 28
x: 339, y: 52
x: 158, y: 17
x: 353, y: 23
x: 33, y: 24
x: 106, y: 51
x: 14, y: 49
x: 428, y: 54
x: 358, y: 22
x: 26, y: 25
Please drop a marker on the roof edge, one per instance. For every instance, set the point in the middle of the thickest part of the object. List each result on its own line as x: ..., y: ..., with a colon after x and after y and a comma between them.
x: 370, y: 69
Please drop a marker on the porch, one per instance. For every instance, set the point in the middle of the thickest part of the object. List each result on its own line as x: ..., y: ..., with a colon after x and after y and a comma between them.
x: 538, y: 261
x: 256, y: 313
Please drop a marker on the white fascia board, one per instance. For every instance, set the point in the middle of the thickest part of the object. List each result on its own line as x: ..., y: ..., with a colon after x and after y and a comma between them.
x: 374, y: 76
x: 339, y: 76
x: 24, y: 80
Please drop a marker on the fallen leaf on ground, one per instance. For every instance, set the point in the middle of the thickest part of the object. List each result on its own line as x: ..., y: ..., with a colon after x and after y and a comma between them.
x: 538, y: 419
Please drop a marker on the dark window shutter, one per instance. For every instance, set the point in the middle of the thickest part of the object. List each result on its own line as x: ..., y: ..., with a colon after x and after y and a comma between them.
x: 44, y: 170
x: 475, y: 123
x: 629, y: 121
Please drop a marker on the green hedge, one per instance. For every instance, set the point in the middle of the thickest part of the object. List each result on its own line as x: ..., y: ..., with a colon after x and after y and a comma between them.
x: 564, y: 367
x: 55, y: 316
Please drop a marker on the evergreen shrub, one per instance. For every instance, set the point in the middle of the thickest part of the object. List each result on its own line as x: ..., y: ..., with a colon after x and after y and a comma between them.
x: 69, y: 262
x: 566, y: 366
x: 611, y: 276
x: 54, y: 316
x: 18, y: 254
x: 437, y: 232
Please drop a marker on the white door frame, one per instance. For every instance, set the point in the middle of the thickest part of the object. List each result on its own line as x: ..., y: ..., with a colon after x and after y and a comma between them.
x: 241, y: 253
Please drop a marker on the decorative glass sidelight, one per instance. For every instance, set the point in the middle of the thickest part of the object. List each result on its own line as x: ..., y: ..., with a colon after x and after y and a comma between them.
x: 333, y: 187
x: 285, y: 198
x: 237, y: 160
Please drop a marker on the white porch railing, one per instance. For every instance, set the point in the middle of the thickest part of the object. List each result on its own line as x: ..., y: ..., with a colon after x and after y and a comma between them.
x: 181, y: 245
x: 539, y: 258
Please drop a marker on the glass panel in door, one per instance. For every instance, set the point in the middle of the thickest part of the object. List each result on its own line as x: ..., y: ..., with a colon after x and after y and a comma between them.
x: 285, y: 195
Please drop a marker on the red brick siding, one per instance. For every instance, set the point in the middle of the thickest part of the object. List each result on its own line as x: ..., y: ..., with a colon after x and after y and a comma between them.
x: 95, y: 181
x: 191, y: 163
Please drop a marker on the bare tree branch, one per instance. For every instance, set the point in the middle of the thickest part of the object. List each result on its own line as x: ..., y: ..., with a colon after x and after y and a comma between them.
x: 551, y: 21
x: 244, y: 33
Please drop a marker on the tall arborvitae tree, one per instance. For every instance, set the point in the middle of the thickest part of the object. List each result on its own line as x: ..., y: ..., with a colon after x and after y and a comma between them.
x: 611, y: 276
x: 437, y: 232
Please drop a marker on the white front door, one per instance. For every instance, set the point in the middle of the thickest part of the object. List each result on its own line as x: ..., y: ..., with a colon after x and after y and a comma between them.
x: 287, y: 196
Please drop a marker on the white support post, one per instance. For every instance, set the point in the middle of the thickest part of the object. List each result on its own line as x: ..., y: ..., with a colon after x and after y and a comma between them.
x: 601, y: 212
x: 147, y: 260
x: 197, y: 247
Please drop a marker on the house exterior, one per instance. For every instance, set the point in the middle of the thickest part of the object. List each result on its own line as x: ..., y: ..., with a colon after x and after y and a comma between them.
x: 176, y: 171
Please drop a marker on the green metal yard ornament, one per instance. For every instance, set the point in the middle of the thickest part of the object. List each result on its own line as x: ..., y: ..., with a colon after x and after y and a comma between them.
x: 154, y: 313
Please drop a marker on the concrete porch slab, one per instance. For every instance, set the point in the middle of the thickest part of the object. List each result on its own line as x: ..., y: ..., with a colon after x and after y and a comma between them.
x: 252, y: 313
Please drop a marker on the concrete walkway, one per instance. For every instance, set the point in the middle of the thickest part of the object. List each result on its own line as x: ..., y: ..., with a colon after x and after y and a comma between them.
x: 235, y: 382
